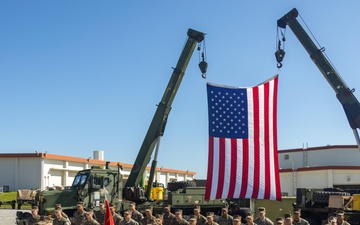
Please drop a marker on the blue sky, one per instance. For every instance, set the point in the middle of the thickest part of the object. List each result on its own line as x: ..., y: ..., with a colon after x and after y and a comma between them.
x: 79, y: 76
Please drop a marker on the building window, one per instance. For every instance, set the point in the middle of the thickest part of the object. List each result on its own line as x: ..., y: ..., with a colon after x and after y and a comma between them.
x: 286, y: 157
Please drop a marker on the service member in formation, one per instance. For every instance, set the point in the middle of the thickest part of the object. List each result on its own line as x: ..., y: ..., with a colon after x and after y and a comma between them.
x: 288, y: 220
x: 250, y: 219
x: 298, y: 220
x: 59, y: 219
x: 200, y: 219
x: 332, y: 221
x: 90, y: 219
x: 236, y: 220
x: 167, y: 215
x: 100, y: 214
x: 58, y: 207
x: 262, y: 219
x: 79, y: 215
x: 192, y: 220
x: 127, y: 219
x: 116, y: 217
x: 279, y: 221
x: 339, y: 218
x: 159, y: 219
x: 178, y: 218
x: 149, y: 218
x: 34, y: 216
x: 210, y: 219
x: 225, y: 218
x: 136, y: 215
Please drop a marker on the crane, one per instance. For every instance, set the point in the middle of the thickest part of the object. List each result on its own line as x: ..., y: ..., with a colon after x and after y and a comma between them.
x: 158, y: 123
x: 344, y: 94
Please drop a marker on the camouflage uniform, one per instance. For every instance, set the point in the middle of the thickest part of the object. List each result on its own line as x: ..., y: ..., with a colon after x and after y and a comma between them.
x: 117, y: 218
x: 213, y: 223
x: 130, y: 222
x: 61, y: 221
x: 32, y: 221
x: 137, y: 216
x: 180, y: 222
x: 201, y: 220
x: 305, y: 222
x: 100, y: 216
x: 225, y: 221
x: 66, y: 217
x: 265, y: 221
x: 168, y: 218
x: 79, y: 217
x: 151, y: 220
x: 91, y: 222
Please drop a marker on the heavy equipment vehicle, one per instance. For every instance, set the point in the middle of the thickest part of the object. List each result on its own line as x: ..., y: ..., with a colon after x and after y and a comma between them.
x: 318, y: 205
x: 94, y: 185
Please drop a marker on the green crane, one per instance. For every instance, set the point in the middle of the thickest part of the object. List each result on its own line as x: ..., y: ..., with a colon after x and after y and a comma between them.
x: 158, y: 123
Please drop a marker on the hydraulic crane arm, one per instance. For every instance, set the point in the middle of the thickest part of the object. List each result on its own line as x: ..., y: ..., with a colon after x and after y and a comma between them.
x: 158, y: 123
x: 343, y: 93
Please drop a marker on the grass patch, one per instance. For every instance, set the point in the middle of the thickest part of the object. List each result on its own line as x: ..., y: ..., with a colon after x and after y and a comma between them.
x: 7, y: 197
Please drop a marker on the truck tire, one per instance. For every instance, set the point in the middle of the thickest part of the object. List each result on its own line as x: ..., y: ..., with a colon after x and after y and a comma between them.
x: 174, y: 186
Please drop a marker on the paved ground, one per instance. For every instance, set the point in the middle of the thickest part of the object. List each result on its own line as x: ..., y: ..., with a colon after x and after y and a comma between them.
x: 8, y: 216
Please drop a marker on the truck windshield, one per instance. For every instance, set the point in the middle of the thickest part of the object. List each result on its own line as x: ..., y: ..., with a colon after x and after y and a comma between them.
x: 79, y: 180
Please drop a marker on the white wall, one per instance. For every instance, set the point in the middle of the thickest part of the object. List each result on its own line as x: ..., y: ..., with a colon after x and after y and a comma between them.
x: 20, y: 173
x: 7, y: 174
x: 324, y: 157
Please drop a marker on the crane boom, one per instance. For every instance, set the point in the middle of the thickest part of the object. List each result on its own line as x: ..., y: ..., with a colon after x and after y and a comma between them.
x: 158, y: 123
x: 343, y: 93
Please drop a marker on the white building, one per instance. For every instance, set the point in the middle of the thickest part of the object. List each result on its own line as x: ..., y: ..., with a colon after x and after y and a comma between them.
x: 316, y: 167
x: 335, y: 166
x: 40, y: 170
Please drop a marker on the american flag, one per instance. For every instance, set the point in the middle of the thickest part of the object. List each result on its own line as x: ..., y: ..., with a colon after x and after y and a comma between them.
x: 243, y: 160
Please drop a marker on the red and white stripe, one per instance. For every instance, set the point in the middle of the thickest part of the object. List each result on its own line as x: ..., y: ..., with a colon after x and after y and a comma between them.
x: 248, y: 168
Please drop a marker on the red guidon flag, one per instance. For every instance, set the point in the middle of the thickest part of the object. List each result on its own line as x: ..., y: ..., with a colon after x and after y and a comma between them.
x: 243, y: 152
x: 108, y: 220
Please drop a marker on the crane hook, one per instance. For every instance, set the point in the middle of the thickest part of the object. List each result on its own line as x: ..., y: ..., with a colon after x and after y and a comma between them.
x: 203, y: 66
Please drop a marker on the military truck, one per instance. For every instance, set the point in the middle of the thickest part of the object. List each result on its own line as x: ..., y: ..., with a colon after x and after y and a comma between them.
x: 318, y: 205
